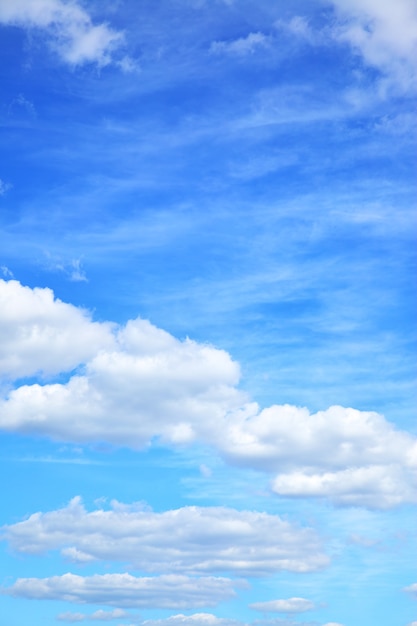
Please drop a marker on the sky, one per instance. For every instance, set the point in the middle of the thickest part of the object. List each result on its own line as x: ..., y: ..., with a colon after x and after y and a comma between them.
x: 207, y: 312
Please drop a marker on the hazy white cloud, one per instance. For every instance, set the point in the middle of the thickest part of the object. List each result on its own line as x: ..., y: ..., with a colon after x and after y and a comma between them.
x: 41, y: 334
x: 384, y: 33
x: 290, y: 605
x: 412, y: 589
x: 68, y: 26
x: 137, y: 382
x: 4, y: 187
x: 190, y: 540
x: 198, y: 619
x: 100, y: 615
x: 124, y: 590
x: 241, y: 47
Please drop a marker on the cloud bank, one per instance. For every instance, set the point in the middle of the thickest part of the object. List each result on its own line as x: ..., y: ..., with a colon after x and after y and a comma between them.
x: 191, y: 540
x: 124, y: 590
x: 136, y: 383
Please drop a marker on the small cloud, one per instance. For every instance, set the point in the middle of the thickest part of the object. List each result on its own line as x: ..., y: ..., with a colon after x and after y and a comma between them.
x: 71, y: 617
x: 242, y: 46
x: 291, y: 605
x: 205, y: 471
x: 4, y: 188
x: 76, y: 273
x: 5, y: 270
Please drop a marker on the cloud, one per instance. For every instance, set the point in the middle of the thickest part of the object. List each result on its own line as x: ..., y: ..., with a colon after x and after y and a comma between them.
x: 291, y: 605
x: 137, y: 383
x: 412, y: 589
x: 199, y: 619
x: 190, y: 540
x: 100, y: 615
x: 349, y: 456
x: 4, y: 187
x: 41, y: 334
x: 240, y: 47
x: 383, y: 33
x: 69, y: 28
x: 124, y: 590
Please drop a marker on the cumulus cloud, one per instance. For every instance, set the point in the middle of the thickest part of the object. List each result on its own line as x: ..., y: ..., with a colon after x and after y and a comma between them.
x: 137, y: 383
x: 190, y: 540
x: 352, y: 457
x: 384, y: 33
x: 68, y: 26
x: 127, y: 591
x: 291, y: 605
x: 41, y: 334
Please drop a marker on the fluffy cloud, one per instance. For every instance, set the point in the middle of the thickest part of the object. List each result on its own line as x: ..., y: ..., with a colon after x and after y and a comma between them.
x: 137, y: 382
x: 352, y: 457
x: 68, y: 26
x: 41, y: 334
x: 291, y: 605
x: 383, y: 33
x: 124, y: 590
x: 150, y: 385
x: 190, y: 540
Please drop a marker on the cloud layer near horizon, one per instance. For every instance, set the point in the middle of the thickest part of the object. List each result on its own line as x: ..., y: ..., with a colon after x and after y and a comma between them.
x: 137, y: 383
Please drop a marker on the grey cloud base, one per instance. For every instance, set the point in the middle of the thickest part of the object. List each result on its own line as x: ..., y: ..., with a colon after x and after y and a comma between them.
x: 138, y: 383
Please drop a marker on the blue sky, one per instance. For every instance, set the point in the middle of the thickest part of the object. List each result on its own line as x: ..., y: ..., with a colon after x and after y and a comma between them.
x: 207, y: 312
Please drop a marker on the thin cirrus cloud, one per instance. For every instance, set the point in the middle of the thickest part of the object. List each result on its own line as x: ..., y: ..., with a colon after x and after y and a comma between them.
x: 172, y: 591
x: 191, y: 540
x: 181, y: 392
x: 68, y: 27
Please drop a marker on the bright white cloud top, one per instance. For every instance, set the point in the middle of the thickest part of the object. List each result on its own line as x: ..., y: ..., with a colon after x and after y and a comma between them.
x: 150, y: 385
x: 207, y: 312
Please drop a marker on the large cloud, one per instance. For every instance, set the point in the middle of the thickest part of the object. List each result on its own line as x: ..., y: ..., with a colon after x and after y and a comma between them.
x: 123, y: 590
x: 137, y: 383
x: 384, y: 33
x: 41, y: 334
x: 190, y: 540
x: 68, y: 26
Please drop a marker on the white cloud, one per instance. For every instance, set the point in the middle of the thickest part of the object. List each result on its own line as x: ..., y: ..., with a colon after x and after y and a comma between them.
x: 240, y: 47
x: 137, y: 382
x: 39, y: 333
x: 68, y: 26
x: 352, y: 457
x: 291, y: 605
x: 124, y: 590
x: 100, y: 615
x: 190, y: 540
x: 199, y: 619
x: 412, y: 589
x: 384, y: 33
